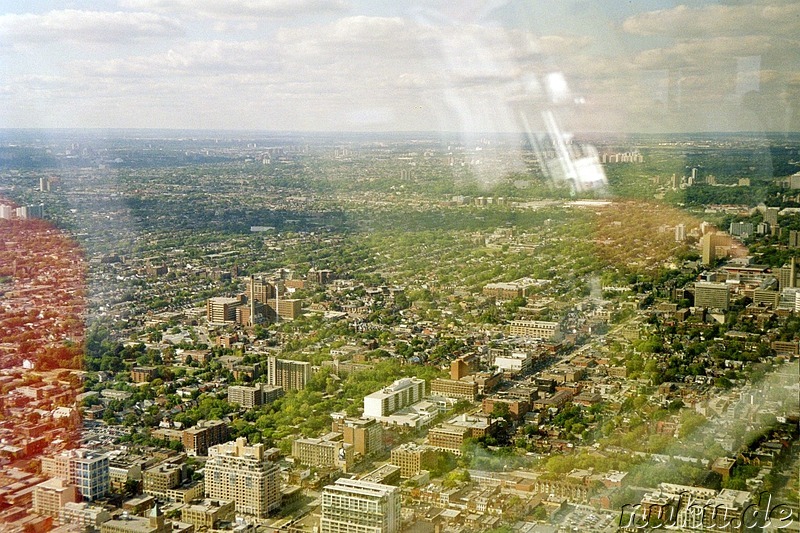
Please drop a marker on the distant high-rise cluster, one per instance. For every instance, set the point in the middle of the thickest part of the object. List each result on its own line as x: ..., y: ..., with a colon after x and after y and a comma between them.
x: 622, y: 157
x: 262, y: 302
x: 22, y: 212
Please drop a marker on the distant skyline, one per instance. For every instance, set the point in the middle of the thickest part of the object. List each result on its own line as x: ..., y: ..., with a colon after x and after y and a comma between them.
x: 364, y: 65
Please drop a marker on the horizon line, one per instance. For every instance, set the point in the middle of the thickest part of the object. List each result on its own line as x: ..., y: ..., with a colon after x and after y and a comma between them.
x: 373, y: 132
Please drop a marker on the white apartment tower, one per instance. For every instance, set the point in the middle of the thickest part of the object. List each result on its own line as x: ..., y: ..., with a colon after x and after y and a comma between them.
x: 399, y: 394
x: 356, y: 506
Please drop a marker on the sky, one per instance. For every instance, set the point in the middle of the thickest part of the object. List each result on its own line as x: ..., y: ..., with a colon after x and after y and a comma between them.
x: 394, y: 65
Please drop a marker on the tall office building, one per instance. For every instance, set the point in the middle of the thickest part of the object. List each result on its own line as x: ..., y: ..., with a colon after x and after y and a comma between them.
x: 320, y: 277
x: 259, y: 292
x: 412, y: 458
x: 771, y: 216
x: 787, y: 275
x: 241, y: 473
x: 220, y: 309
x: 159, y: 479
x: 291, y: 375
x: 711, y: 295
x: 708, y: 244
x: 89, y: 472
x: 766, y: 297
x: 794, y: 239
x: 29, y: 211
x: 680, y: 233
x: 741, y: 229
x: 464, y: 366
x: 356, y: 506
x: 286, y: 308
x: 260, y: 289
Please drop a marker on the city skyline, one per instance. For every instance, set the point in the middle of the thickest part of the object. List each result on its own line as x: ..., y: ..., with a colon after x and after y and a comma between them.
x: 332, y: 65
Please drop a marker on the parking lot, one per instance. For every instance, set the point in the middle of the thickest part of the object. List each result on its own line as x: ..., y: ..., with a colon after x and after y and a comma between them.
x: 584, y: 518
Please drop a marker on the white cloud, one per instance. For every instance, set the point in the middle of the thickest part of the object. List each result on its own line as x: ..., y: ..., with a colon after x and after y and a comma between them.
x: 704, y: 53
x: 386, y: 65
x: 86, y: 26
x: 193, y: 59
x: 718, y: 20
x: 714, y: 56
x: 239, y: 8
x: 382, y: 71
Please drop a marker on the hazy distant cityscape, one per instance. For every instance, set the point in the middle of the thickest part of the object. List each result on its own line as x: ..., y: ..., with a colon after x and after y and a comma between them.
x: 258, y: 332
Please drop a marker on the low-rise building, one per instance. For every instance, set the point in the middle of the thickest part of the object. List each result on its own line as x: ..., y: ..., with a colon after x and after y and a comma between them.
x: 154, y: 522
x: 386, y: 475
x: 50, y: 496
x: 365, y: 434
x: 160, y: 478
x: 84, y: 515
x: 536, y: 329
x: 142, y: 374
x: 462, y: 389
x: 412, y: 458
x: 196, y: 440
x: 327, y: 451
x: 208, y: 513
x: 254, y: 396
x: 557, y: 400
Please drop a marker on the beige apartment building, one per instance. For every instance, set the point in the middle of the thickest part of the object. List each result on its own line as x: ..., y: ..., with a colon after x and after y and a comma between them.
x: 51, y: 495
x: 241, y: 473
